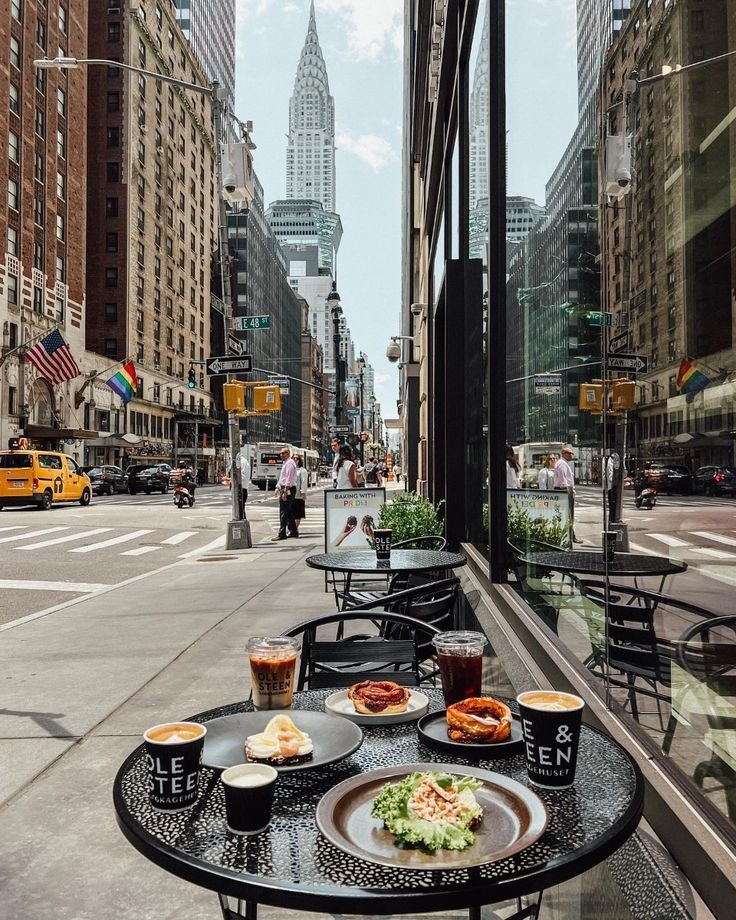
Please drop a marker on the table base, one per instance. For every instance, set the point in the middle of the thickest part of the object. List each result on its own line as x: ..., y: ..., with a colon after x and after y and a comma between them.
x: 526, y: 908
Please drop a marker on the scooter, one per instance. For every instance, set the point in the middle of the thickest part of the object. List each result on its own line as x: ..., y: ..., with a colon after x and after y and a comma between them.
x: 647, y: 498
x: 182, y: 496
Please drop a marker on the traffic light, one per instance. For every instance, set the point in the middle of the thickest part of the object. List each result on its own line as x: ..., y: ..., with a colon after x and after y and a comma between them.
x: 191, y: 382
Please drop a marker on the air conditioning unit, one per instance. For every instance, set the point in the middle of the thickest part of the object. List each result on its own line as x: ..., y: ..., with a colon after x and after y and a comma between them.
x: 157, y: 367
x: 159, y: 150
x: 113, y: 11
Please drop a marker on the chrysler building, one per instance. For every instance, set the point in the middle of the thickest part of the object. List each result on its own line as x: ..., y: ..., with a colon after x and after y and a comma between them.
x: 310, y: 154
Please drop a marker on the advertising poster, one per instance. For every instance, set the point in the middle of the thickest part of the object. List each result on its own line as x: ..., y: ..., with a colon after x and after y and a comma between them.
x: 350, y: 516
x: 540, y: 506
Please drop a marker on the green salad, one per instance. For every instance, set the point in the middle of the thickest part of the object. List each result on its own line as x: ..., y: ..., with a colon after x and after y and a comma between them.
x: 434, y: 810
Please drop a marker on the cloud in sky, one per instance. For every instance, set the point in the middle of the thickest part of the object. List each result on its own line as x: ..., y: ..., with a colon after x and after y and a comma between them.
x: 373, y: 26
x: 373, y: 149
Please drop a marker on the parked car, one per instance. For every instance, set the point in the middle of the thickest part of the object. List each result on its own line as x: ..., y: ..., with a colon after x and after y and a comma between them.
x: 154, y: 478
x: 667, y: 477
x: 107, y: 480
x: 714, y: 480
x: 40, y: 477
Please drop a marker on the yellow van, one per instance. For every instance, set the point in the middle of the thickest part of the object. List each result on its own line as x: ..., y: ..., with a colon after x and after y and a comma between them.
x: 41, y: 477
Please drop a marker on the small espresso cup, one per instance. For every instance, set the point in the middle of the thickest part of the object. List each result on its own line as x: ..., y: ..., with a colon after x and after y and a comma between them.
x: 249, y: 789
x: 609, y: 544
x: 173, y: 756
x: 382, y: 539
x: 550, y: 723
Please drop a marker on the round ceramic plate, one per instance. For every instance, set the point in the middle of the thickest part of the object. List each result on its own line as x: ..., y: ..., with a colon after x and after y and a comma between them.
x: 432, y: 729
x: 339, y: 704
x: 513, y: 819
x: 333, y: 738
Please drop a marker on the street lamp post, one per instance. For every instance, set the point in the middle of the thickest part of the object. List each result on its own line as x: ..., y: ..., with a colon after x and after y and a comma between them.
x: 238, y: 533
x: 333, y: 302
x: 361, y: 365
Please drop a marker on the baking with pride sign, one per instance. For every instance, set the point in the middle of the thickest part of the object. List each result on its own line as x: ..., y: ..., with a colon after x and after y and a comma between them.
x: 350, y: 517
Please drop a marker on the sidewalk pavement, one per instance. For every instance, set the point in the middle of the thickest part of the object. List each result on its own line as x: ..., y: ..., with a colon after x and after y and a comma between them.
x: 80, y: 684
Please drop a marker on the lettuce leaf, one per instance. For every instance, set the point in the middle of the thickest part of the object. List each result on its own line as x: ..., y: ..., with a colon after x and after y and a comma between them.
x: 390, y: 806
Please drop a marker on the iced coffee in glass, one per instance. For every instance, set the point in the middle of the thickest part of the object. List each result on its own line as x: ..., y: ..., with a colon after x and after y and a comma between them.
x: 272, y: 670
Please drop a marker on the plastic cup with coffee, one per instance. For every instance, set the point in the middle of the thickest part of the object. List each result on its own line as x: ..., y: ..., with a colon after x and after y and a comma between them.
x: 249, y: 790
x: 272, y: 670
x: 382, y: 539
x: 550, y: 723
x: 460, y: 659
x: 173, y: 756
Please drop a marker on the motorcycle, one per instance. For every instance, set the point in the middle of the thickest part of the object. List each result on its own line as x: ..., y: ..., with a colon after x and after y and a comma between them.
x: 182, y: 496
x: 647, y: 498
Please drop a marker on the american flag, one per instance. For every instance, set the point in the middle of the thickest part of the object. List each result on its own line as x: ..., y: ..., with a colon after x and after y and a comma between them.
x: 52, y: 359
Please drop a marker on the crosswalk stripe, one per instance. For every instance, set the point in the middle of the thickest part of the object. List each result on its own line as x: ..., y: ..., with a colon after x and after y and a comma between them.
x: 33, y: 533
x: 67, y: 539
x: 179, y: 538
x: 14, y: 527
x: 712, y: 553
x: 141, y: 550
x: 668, y: 540
x: 215, y: 544
x: 717, y: 537
x: 72, y: 586
x: 113, y: 541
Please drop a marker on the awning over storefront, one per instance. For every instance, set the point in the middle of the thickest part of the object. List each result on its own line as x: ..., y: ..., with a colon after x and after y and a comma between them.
x: 115, y: 440
x: 44, y: 432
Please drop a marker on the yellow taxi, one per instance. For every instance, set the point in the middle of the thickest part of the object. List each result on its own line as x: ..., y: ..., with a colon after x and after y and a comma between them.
x: 40, y: 477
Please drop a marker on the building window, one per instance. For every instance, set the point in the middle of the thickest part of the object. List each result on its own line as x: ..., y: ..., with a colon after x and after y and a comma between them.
x: 111, y: 207
x: 14, y: 99
x: 113, y: 31
x: 13, y: 194
x: 62, y: 20
x: 38, y: 261
x: 13, y: 146
x: 12, y: 241
x: 40, y: 123
x: 15, y: 52
x: 61, y: 186
x: 111, y: 348
x: 113, y: 172
x: 41, y: 34
x: 37, y: 300
x: 111, y: 312
x: 38, y: 211
x: 15, y: 11
x: 61, y: 101
x: 60, y: 145
x: 111, y: 242
x: 113, y: 102
x: 12, y: 285
x: 111, y: 277
x: 60, y: 269
x: 113, y: 137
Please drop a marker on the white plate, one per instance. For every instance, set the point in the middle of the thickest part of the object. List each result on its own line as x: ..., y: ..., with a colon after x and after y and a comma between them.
x: 339, y: 704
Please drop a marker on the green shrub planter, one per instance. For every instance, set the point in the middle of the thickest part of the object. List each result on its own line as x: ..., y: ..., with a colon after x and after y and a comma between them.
x: 410, y: 516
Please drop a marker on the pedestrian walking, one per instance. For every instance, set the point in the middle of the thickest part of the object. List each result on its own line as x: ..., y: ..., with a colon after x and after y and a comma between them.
x: 302, y: 484
x: 286, y: 487
x: 564, y: 481
x: 345, y: 469
x: 546, y: 474
x: 612, y: 464
x: 335, y: 445
x: 512, y: 469
x: 245, y: 474
x: 371, y: 473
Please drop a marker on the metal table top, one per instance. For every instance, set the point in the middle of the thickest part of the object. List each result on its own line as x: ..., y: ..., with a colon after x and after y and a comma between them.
x: 402, y: 560
x: 291, y: 865
x: 590, y: 562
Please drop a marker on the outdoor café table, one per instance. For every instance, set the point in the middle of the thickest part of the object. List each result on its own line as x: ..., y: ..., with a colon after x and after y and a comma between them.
x: 592, y: 562
x: 364, y: 562
x: 291, y: 865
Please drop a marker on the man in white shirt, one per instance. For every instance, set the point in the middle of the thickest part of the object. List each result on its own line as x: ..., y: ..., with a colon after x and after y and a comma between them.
x: 564, y: 480
x: 287, y: 491
x: 612, y: 464
x: 335, y: 445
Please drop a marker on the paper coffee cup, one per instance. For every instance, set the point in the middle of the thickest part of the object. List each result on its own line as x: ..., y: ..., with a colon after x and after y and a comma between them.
x: 173, y: 756
x: 550, y: 723
x: 249, y: 790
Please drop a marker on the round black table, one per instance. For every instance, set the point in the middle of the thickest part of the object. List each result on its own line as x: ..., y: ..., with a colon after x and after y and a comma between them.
x: 592, y: 562
x: 361, y: 561
x: 291, y: 865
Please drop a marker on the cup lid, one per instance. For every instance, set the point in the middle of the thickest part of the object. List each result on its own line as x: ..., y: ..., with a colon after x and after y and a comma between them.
x: 459, y: 639
x: 272, y: 644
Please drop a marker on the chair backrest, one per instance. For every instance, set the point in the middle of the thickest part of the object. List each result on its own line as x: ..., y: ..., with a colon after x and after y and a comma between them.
x: 431, y: 541
x: 707, y: 651
x: 632, y: 643
x: 331, y: 662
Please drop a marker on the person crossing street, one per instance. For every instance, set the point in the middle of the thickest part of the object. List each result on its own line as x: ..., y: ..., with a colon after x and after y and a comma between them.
x: 564, y: 481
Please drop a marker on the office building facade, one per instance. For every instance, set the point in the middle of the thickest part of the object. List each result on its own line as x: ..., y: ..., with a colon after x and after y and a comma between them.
x: 209, y: 27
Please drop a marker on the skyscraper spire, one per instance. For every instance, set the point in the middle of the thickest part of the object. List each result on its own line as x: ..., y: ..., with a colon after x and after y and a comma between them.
x: 310, y: 153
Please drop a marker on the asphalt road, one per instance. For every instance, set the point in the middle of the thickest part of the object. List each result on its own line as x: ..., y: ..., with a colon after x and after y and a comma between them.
x: 48, y: 558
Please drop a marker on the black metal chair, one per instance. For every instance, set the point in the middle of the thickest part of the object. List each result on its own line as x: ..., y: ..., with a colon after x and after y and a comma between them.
x: 707, y: 654
x: 351, y: 598
x: 339, y: 662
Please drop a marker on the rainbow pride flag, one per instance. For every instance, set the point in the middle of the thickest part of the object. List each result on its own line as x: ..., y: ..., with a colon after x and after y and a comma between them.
x: 125, y: 382
x: 690, y: 380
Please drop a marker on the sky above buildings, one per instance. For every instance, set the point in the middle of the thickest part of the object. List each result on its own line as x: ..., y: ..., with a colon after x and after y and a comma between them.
x: 361, y: 41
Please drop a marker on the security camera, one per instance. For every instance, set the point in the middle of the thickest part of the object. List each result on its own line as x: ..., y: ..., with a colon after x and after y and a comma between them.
x: 228, y: 183
x: 393, y: 351
x: 623, y: 177
x: 417, y: 309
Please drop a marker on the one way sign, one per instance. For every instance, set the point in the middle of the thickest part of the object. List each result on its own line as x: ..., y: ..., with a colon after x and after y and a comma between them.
x: 638, y: 364
x: 227, y: 364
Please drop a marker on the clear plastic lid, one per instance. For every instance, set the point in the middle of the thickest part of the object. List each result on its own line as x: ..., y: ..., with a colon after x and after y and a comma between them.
x: 460, y: 642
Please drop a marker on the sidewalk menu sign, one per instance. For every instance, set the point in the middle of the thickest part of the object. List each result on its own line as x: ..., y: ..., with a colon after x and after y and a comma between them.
x: 350, y: 516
